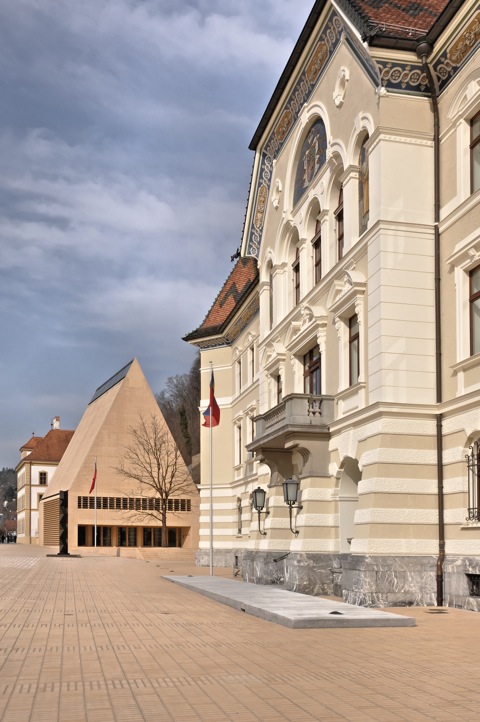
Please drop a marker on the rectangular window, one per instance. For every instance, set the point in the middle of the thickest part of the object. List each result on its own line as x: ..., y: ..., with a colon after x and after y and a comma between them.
x: 132, y: 536
x: 317, y: 259
x: 238, y: 367
x: 270, y: 300
x: 312, y: 372
x: 296, y: 278
x: 104, y: 536
x: 475, y: 311
x: 279, y: 389
x: 473, y: 464
x: 239, y: 444
x: 42, y: 477
x: 339, y: 223
x: 250, y: 433
x: 252, y: 362
x: 475, y: 152
x: 354, y: 349
x: 147, y: 536
x: 317, y: 253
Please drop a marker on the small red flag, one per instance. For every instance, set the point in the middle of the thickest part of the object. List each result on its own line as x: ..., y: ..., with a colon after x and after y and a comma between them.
x: 92, y: 486
x: 212, y: 414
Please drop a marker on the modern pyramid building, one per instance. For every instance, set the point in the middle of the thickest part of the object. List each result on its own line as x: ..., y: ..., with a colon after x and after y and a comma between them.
x: 123, y: 513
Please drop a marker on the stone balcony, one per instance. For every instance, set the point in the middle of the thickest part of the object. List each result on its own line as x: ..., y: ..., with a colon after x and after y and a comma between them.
x: 296, y: 417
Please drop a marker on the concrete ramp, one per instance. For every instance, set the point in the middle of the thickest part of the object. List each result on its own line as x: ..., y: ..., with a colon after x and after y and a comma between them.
x: 297, y: 611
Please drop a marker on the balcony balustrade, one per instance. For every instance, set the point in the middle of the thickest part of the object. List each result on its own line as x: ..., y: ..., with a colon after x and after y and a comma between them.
x: 296, y: 415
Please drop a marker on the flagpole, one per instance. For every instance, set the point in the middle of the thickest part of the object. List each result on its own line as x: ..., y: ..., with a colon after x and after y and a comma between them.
x: 95, y: 502
x: 212, y: 418
x: 211, y: 501
x: 211, y: 489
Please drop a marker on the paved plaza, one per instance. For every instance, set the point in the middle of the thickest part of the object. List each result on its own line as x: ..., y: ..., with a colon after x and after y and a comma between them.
x: 104, y: 639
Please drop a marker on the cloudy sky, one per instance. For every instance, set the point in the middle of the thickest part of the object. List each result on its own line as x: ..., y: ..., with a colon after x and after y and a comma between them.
x: 124, y: 169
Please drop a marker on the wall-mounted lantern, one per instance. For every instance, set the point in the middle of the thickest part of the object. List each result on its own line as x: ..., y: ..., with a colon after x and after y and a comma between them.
x: 290, y: 497
x: 258, y: 499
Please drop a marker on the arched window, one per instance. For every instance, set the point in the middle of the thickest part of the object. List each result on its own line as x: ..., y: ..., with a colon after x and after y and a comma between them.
x: 313, y: 155
x: 363, y: 189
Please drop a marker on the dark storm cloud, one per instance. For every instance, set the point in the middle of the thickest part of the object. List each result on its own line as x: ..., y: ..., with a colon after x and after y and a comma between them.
x: 124, y: 128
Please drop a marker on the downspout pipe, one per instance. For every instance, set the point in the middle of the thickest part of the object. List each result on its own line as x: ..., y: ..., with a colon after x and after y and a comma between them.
x: 424, y: 49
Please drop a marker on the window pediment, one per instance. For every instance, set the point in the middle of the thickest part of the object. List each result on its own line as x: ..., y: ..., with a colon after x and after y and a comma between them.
x: 306, y: 330
x: 273, y: 356
x: 466, y: 254
x: 345, y: 291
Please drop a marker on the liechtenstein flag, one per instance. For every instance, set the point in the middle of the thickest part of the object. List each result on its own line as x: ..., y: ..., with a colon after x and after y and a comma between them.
x: 94, y: 480
x: 212, y: 414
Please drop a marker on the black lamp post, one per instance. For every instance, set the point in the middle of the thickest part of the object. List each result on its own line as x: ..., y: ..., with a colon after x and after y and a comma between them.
x: 290, y: 497
x: 258, y: 498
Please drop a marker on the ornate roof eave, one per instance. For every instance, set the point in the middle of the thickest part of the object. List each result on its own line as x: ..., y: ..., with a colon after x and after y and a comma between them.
x: 208, y: 331
x: 230, y: 330
x: 289, y: 69
x: 369, y: 32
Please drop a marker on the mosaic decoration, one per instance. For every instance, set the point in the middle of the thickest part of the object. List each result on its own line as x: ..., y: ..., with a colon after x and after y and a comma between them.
x: 312, y: 157
x: 402, y: 77
x: 459, y: 51
x: 323, y: 49
x: 411, y: 78
x: 392, y: 75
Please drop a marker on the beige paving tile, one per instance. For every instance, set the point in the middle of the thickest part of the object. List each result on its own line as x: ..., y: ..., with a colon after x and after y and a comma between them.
x: 102, y: 639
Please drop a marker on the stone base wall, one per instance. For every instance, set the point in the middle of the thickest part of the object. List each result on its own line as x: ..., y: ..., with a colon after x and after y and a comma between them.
x: 390, y: 581
x: 457, y: 585
x: 362, y: 580
x: 368, y: 581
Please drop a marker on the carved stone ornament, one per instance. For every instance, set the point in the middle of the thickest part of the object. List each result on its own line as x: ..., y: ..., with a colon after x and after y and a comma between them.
x: 474, y: 254
x: 307, y: 314
x: 276, y: 193
x: 341, y: 87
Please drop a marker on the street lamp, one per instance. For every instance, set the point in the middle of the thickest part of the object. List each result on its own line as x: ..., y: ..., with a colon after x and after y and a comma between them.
x: 258, y: 499
x: 290, y: 497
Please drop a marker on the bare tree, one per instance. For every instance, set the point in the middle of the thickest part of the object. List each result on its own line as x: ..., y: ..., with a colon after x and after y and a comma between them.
x: 154, y: 463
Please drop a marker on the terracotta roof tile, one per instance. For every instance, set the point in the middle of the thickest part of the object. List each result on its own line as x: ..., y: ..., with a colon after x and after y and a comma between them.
x: 31, y: 443
x: 52, y: 447
x: 399, y: 18
x: 242, y: 278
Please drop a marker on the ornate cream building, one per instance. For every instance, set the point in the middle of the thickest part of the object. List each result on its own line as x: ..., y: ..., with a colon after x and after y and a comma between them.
x: 349, y: 361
